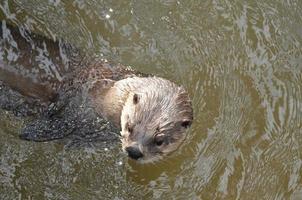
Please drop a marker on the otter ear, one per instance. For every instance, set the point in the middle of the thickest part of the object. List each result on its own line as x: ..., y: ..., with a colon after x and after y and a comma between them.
x: 186, y: 123
x: 135, y: 99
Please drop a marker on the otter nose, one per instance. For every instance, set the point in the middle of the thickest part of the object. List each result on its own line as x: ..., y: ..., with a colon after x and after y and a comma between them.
x: 134, y: 152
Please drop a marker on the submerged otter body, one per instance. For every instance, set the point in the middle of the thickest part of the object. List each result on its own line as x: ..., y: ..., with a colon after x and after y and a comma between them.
x: 80, y: 95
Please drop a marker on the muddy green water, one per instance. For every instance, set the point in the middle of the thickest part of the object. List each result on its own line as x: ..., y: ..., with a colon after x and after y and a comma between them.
x: 241, y: 61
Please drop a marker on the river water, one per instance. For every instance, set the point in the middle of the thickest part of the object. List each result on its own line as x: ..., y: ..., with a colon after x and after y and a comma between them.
x: 241, y: 62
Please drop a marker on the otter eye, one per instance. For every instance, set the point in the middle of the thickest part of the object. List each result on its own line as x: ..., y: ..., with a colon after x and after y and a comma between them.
x: 159, y: 139
x: 135, y: 99
x: 186, y: 123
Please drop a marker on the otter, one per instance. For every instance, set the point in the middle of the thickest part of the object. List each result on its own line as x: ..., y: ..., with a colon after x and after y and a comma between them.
x: 151, y: 113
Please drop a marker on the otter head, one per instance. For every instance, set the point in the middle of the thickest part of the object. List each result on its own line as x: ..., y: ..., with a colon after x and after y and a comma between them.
x: 154, y: 118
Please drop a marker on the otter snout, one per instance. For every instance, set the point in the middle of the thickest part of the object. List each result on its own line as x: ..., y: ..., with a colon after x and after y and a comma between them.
x: 134, y: 152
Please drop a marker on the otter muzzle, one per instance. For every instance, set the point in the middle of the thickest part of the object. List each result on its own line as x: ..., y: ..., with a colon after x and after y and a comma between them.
x: 134, y: 152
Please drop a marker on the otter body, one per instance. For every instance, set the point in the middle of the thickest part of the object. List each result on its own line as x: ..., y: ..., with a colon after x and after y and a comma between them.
x: 80, y: 95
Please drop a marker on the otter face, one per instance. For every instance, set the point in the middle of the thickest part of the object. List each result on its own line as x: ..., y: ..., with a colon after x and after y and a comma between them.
x: 154, y: 121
